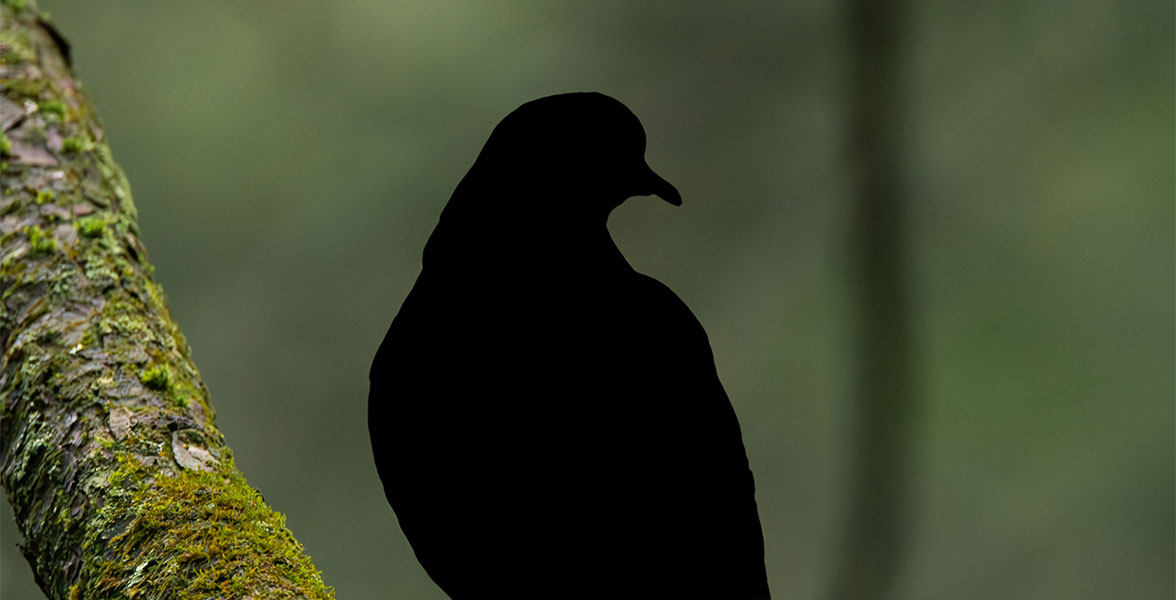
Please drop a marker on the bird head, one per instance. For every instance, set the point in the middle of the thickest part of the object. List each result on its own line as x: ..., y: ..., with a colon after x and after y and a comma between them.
x: 577, y: 155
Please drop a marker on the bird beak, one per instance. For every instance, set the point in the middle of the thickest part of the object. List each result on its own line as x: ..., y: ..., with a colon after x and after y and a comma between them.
x: 660, y: 187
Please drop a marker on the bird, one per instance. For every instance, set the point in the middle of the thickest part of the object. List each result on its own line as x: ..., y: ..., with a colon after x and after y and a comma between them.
x: 546, y: 421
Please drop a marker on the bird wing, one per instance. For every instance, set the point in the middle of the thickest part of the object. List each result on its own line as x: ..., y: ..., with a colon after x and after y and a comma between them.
x: 563, y: 434
x: 708, y: 502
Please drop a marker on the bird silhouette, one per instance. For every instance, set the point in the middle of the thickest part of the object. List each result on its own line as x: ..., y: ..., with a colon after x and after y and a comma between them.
x: 546, y: 421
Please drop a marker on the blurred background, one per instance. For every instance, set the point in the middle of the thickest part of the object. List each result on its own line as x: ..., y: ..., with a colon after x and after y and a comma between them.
x: 289, y: 159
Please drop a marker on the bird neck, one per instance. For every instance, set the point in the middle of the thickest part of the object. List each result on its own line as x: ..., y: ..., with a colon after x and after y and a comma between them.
x: 481, y: 247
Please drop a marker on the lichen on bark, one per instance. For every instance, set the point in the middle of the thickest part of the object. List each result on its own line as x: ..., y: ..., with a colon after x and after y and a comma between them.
x: 119, y: 480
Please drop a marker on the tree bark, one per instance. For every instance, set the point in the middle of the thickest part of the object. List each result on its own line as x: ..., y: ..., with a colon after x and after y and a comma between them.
x: 119, y: 480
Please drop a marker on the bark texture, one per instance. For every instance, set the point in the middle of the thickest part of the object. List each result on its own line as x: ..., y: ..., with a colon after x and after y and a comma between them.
x: 119, y: 480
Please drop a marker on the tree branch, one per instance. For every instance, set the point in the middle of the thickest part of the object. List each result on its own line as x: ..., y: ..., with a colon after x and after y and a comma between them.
x: 119, y: 480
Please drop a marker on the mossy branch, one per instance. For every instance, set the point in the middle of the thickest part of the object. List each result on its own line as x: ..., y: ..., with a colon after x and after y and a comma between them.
x: 119, y: 480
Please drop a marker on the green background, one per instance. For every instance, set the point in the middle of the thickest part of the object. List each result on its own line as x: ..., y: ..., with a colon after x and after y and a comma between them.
x: 290, y: 158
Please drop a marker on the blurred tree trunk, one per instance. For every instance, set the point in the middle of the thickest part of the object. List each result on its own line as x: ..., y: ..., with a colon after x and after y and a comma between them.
x: 118, y: 478
x: 884, y: 395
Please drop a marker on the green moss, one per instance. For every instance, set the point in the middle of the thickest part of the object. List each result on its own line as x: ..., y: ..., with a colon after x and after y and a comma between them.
x: 88, y: 337
x: 53, y: 107
x: 159, y: 377
x: 17, y: 88
x: 92, y: 227
x: 72, y: 144
x: 156, y: 294
x: 17, y: 5
x: 156, y: 377
x: 48, y: 338
x: 121, y: 318
x: 40, y: 241
x: 179, y: 400
x: 194, y: 535
x: 5, y: 145
x: 44, y: 196
x: 15, y: 47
